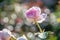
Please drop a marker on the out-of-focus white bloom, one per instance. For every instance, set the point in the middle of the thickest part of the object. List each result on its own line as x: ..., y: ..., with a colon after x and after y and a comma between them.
x: 10, y: 27
x: 13, y: 16
x: 12, y: 21
x: 53, y: 19
x: 7, y: 31
x: 19, y: 23
x: 47, y: 11
x: 24, y: 9
x: 17, y: 7
x: 35, y: 13
x: 5, y: 19
x: 22, y: 38
x: 30, y: 35
x: 17, y: 28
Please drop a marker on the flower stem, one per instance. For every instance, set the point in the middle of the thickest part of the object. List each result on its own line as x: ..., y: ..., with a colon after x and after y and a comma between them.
x: 40, y: 29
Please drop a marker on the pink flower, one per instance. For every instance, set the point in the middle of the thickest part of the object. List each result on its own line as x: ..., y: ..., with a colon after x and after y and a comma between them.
x: 35, y: 13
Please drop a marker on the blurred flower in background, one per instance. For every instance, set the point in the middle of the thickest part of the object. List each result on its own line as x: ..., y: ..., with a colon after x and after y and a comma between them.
x: 53, y: 19
x: 22, y: 38
x: 19, y: 23
x: 9, y: 27
x: 5, y: 19
x: 58, y: 19
x: 13, y: 16
x: 11, y: 21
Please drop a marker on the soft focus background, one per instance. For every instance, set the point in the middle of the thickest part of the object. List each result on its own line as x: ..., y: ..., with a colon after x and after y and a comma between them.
x: 12, y: 16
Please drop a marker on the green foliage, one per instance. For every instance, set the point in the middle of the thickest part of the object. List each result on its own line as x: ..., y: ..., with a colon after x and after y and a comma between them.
x: 1, y: 0
x: 52, y: 37
x: 9, y: 1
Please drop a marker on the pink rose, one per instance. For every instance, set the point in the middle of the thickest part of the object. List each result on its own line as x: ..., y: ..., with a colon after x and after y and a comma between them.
x: 35, y: 13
